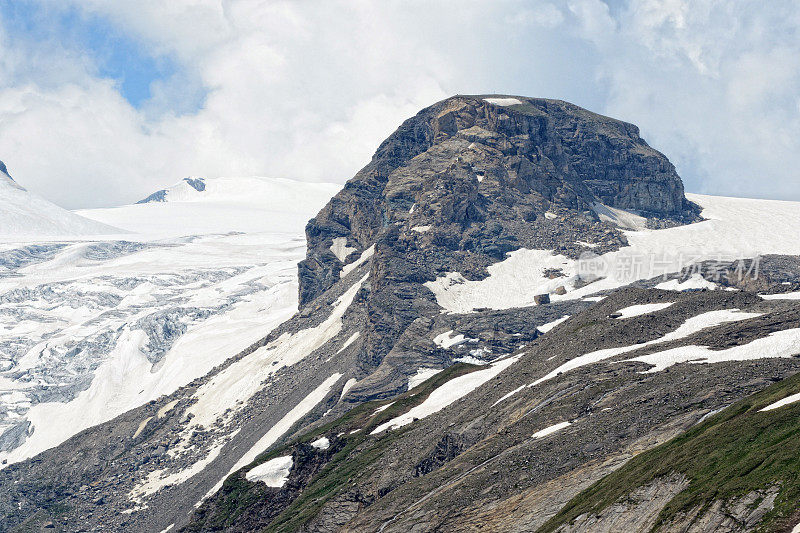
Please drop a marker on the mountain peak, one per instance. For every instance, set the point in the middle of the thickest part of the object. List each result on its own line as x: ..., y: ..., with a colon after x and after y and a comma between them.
x: 198, y: 184
x: 475, y: 177
x: 23, y: 213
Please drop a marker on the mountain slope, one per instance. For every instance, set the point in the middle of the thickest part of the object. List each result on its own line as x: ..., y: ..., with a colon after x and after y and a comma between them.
x: 507, y: 456
x: 738, y: 469
x: 23, y: 213
x: 487, y: 259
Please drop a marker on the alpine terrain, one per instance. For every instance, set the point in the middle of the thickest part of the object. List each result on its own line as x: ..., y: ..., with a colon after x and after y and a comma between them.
x: 513, y: 318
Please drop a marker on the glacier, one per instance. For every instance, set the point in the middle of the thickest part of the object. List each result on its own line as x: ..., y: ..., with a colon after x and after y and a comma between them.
x: 92, y: 326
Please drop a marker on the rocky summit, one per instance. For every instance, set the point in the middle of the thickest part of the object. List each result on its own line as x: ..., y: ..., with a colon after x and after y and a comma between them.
x: 478, y: 176
x: 455, y: 365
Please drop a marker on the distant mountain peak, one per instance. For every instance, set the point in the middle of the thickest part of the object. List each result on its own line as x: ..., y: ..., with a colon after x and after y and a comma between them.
x: 24, y: 213
x: 198, y: 184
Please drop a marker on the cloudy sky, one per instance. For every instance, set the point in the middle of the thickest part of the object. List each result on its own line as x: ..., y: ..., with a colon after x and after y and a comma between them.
x: 102, y: 102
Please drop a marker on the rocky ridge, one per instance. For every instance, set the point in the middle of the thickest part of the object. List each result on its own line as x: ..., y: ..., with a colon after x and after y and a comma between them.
x: 455, y: 189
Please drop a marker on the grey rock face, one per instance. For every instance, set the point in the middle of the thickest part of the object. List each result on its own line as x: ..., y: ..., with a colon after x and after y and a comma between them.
x: 638, y: 511
x: 198, y: 184
x: 4, y: 170
x: 464, y: 161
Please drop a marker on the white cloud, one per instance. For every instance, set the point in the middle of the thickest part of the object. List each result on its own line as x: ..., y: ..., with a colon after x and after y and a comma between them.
x: 309, y: 89
x: 712, y: 84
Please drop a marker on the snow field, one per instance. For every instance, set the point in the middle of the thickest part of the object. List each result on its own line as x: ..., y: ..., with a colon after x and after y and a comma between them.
x: 278, y: 430
x: 690, y: 327
x: 734, y: 228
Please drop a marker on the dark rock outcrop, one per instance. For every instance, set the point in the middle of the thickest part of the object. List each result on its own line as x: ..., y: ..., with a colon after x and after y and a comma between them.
x: 197, y: 184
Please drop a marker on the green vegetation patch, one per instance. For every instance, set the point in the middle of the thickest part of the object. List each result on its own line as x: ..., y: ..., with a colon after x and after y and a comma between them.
x: 730, y: 454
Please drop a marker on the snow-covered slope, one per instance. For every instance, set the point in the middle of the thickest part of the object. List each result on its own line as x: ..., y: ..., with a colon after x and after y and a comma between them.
x: 734, y: 228
x: 218, y: 205
x: 24, y: 214
x: 90, y: 328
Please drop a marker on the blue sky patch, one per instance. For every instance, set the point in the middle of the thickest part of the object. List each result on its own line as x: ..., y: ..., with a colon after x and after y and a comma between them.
x: 116, y: 55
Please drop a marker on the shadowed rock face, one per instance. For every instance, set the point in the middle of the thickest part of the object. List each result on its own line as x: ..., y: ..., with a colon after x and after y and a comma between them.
x: 3, y: 169
x: 465, y: 161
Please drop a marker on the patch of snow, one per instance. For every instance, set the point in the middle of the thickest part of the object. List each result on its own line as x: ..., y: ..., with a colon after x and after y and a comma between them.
x: 340, y: 248
x: 780, y: 344
x: 593, y: 298
x: 422, y: 375
x: 509, y: 395
x: 159, y: 479
x: 708, y: 415
x: 347, y: 386
x: 550, y: 430
x: 620, y: 217
x: 512, y: 282
x: 382, y: 408
x: 549, y: 215
x: 448, y: 340
x: 274, y: 473
x: 166, y: 409
x: 349, y: 341
x: 695, y: 281
x: 141, y: 427
x: 586, y: 244
x: 690, y: 327
x: 780, y: 403
x: 642, y: 309
x: 447, y: 393
x: 784, y: 296
x: 411, y: 211
x: 480, y: 352
x: 365, y: 255
x: 421, y: 229
x: 503, y: 101
x: 321, y: 443
x: 544, y: 328
x: 470, y: 360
